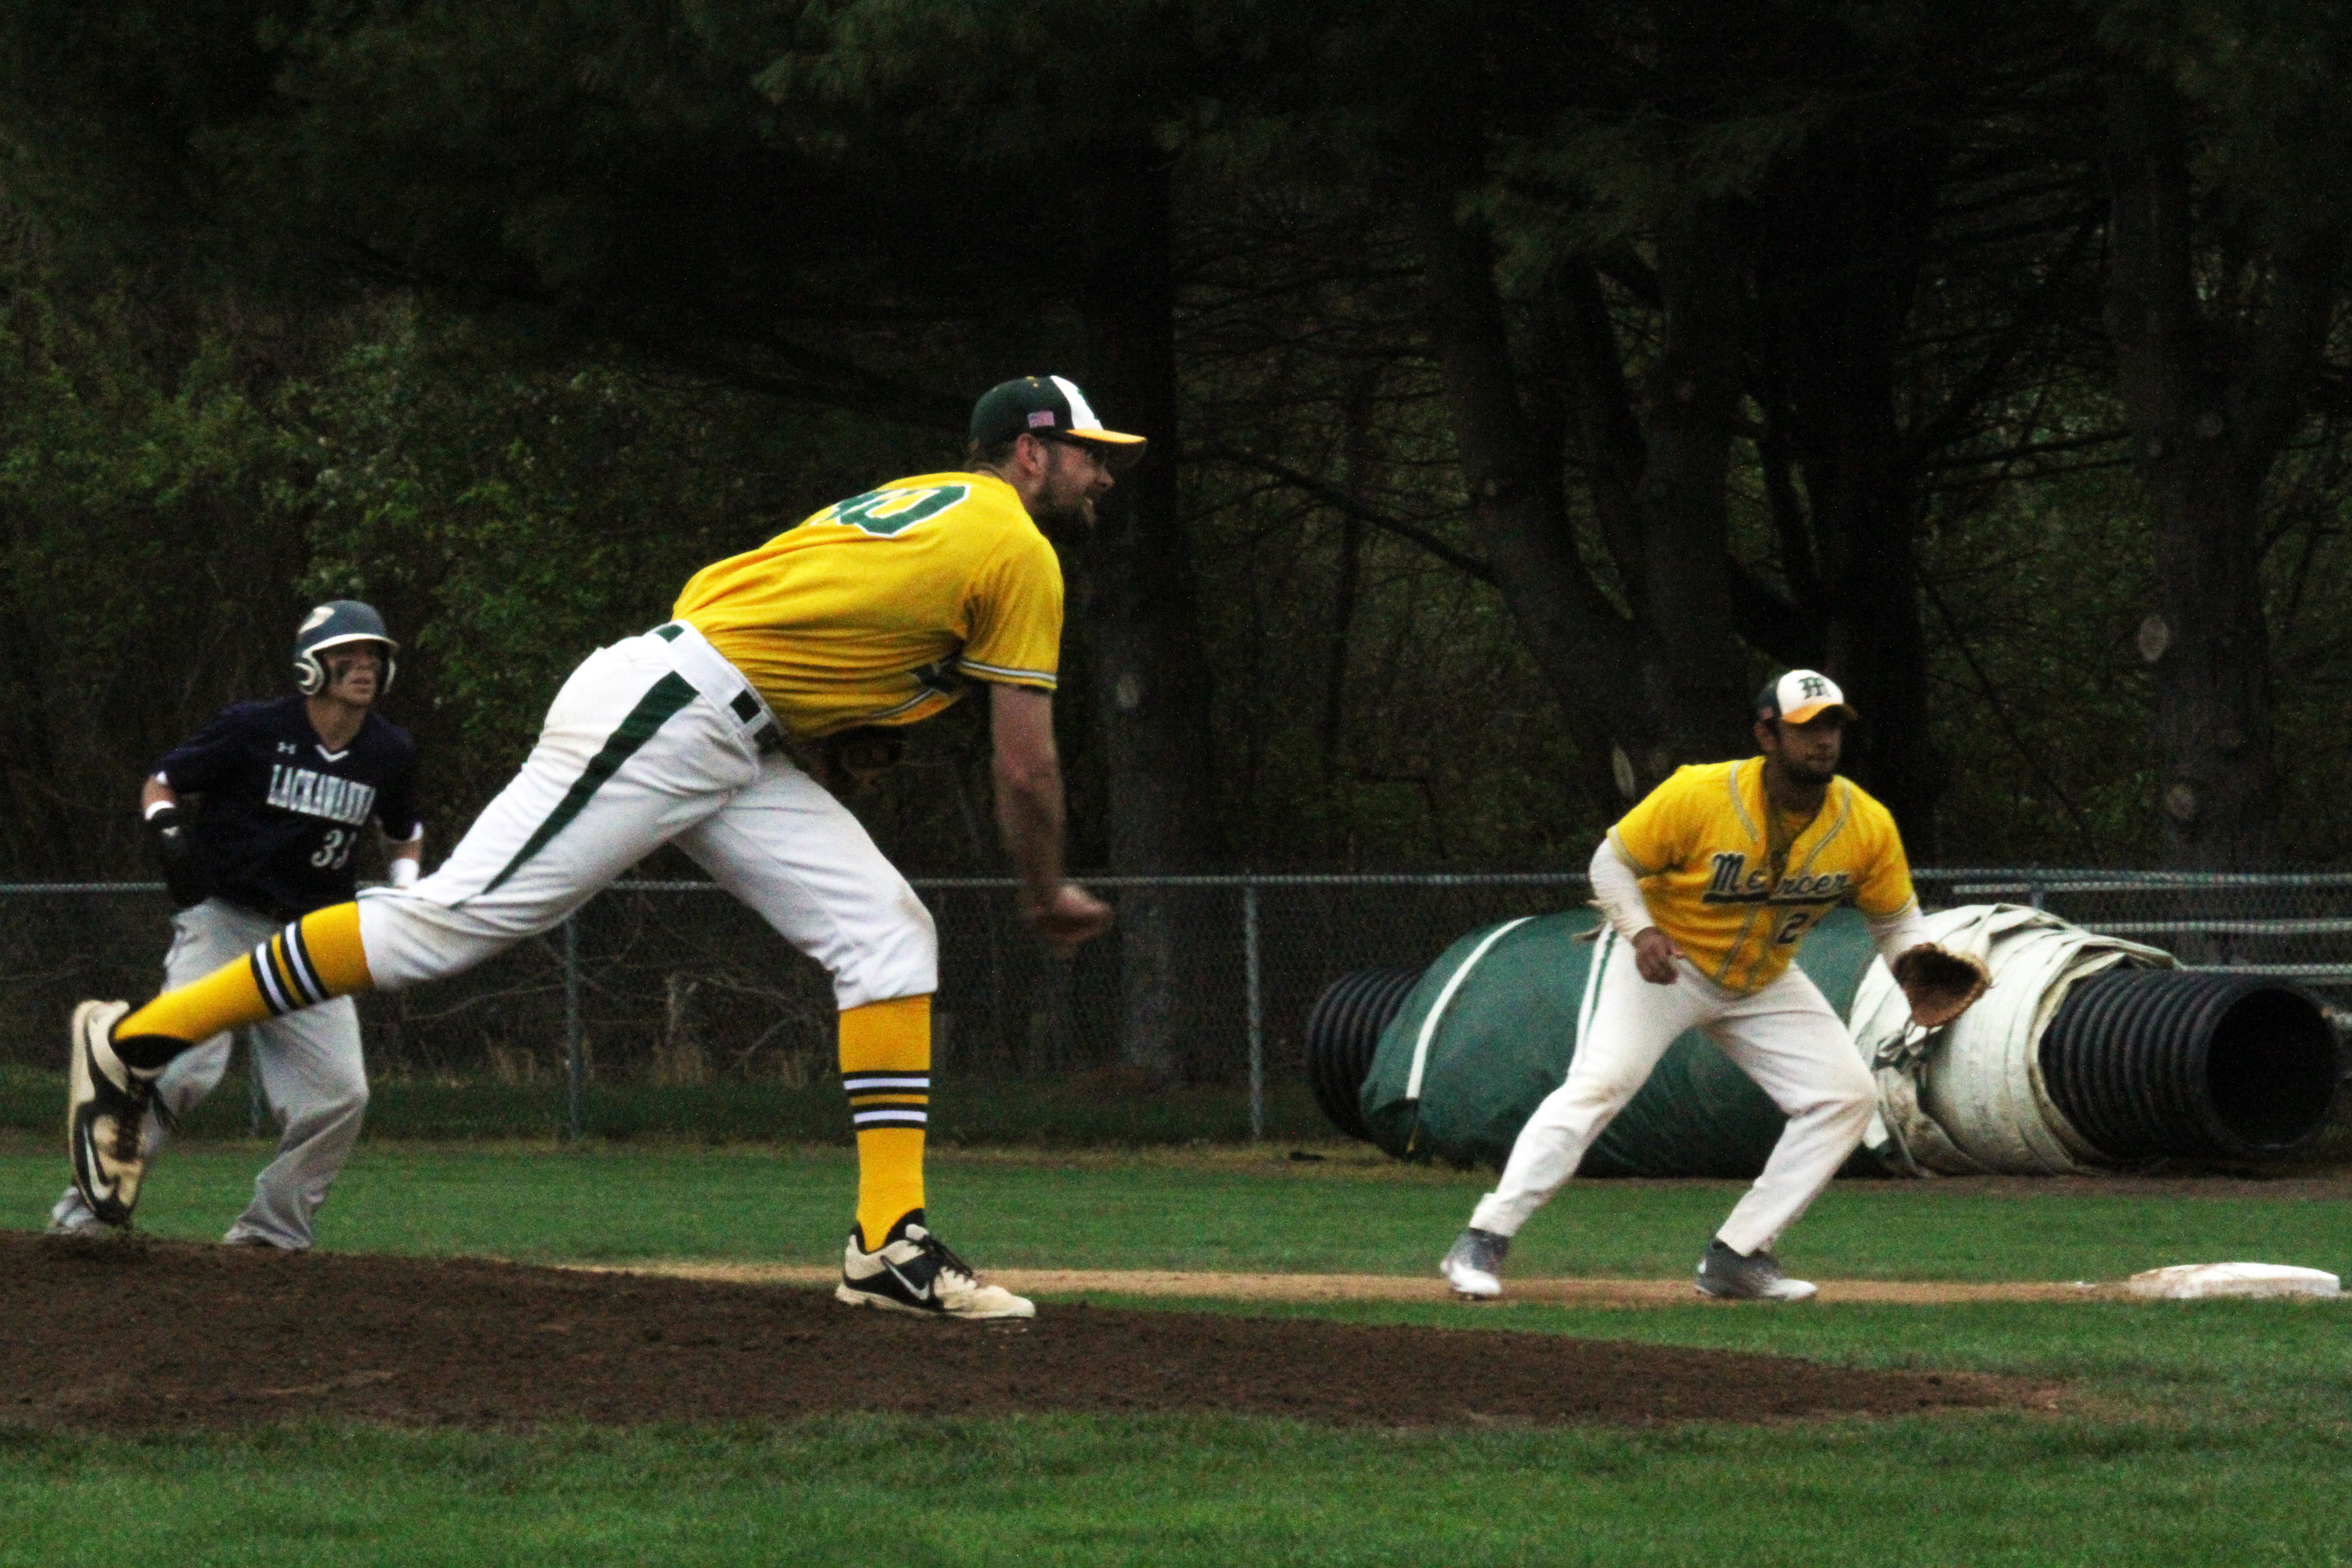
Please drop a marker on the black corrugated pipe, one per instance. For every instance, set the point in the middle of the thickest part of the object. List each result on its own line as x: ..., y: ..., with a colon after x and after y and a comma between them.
x: 1342, y: 1033
x: 2156, y: 1062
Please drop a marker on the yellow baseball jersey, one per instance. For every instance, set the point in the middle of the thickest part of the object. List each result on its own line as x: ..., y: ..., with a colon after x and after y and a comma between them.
x: 1700, y: 844
x: 879, y: 608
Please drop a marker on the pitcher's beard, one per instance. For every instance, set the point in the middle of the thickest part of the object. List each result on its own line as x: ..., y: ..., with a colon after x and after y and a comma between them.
x: 1069, y: 518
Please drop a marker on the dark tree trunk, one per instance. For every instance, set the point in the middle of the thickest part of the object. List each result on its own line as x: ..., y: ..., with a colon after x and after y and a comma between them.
x: 1690, y: 399
x: 1357, y: 457
x: 1655, y: 472
x: 1586, y: 648
x: 1844, y: 232
x: 2210, y: 403
x: 1150, y: 680
x: 1662, y: 686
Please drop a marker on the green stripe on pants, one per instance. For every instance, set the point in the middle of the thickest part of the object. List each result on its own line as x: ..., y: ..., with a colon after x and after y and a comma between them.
x: 669, y: 694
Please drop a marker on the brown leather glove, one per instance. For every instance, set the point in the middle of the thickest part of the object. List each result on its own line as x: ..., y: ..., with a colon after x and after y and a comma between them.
x: 850, y: 760
x: 1940, y: 984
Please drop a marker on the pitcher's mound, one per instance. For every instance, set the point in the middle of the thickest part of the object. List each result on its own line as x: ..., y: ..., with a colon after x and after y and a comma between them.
x: 127, y: 1334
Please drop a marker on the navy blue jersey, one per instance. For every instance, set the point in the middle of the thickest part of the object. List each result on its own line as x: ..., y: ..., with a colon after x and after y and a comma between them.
x: 282, y: 814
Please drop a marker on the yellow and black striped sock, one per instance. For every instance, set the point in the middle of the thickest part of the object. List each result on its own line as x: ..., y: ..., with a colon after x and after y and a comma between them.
x: 886, y: 1070
x: 315, y: 959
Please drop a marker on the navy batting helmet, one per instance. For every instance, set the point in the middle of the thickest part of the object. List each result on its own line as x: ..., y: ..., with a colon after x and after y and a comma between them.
x: 332, y: 625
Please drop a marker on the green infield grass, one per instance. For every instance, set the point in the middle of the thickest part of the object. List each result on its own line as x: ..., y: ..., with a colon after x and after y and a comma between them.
x: 1351, y: 1211
x: 2188, y: 1433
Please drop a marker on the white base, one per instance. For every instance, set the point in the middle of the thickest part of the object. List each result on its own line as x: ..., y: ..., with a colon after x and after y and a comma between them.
x: 2199, y: 1281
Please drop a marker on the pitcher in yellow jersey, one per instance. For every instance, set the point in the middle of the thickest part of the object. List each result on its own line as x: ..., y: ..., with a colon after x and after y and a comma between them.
x: 879, y: 610
x: 1707, y: 888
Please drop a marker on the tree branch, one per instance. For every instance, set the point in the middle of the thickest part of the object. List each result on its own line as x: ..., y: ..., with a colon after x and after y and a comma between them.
x: 1346, y: 505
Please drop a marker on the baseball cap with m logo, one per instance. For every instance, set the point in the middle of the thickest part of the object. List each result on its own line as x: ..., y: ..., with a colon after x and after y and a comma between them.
x: 1801, y: 695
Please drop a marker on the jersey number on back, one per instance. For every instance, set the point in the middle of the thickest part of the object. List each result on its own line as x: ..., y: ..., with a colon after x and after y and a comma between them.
x: 885, y: 512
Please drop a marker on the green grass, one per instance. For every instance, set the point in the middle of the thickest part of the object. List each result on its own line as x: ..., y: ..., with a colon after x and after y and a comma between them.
x: 1989, y: 1490
x: 1226, y: 1209
x: 2195, y: 1433
x: 1087, y: 1112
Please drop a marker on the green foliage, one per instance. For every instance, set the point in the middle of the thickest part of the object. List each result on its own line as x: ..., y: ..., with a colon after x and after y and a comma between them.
x: 479, y: 313
x: 2267, y: 79
x: 174, y: 485
x: 515, y: 517
x: 2043, y: 704
x: 151, y: 521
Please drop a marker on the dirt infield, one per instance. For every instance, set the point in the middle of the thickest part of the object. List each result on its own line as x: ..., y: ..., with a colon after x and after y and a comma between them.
x: 131, y: 1335
x: 1210, y: 1286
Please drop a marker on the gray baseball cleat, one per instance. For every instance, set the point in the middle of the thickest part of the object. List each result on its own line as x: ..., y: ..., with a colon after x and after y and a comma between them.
x: 106, y: 1115
x: 913, y: 1272
x: 1474, y: 1264
x: 1752, y: 1277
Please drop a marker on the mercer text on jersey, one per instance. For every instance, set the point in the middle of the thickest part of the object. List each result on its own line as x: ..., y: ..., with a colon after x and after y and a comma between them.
x: 1733, y: 883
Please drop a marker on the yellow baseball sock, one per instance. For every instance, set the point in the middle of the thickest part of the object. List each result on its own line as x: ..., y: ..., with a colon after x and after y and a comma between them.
x: 312, y: 961
x: 886, y: 1070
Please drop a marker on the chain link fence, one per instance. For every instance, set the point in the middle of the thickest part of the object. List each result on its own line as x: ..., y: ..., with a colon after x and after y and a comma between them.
x: 675, y: 983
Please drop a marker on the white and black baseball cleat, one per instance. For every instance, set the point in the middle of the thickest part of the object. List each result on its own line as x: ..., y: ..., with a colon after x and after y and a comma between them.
x: 1748, y: 1276
x: 913, y: 1272
x: 106, y: 1115
x: 1474, y: 1264
x: 247, y: 1241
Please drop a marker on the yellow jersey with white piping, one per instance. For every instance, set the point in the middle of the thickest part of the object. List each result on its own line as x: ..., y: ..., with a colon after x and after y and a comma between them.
x: 1703, y: 845
x: 879, y: 609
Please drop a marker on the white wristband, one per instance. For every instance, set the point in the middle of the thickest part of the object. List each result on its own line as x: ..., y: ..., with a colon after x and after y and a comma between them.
x: 155, y: 806
x: 404, y: 873
x: 1617, y: 892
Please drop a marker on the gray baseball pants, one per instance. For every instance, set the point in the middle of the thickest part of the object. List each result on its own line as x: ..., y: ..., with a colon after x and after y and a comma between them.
x: 311, y: 1075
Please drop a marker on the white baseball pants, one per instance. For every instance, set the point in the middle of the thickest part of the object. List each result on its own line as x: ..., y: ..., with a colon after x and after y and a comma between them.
x: 312, y: 1077
x: 1785, y: 1035
x: 658, y: 740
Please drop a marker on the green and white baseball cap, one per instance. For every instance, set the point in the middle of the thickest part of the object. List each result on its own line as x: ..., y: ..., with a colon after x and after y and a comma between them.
x: 1047, y: 406
x: 1801, y: 695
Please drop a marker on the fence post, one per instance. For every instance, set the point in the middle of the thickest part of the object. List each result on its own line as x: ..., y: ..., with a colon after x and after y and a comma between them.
x: 1256, y: 1013
x: 573, y: 1065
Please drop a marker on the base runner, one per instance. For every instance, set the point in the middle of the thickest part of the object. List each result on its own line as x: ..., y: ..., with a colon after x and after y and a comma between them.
x: 1707, y: 888
x: 877, y: 611
x: 287, y: 788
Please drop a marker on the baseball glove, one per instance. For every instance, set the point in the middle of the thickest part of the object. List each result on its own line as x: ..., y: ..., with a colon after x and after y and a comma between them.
x: 1940, y: 984
x: 175, y: 851
x: 850, y: 760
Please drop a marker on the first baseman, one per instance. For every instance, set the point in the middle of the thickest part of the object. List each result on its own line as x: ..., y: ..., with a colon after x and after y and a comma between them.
x: 879, y: 610
x: 287, y: 788
x: 1707, y: 888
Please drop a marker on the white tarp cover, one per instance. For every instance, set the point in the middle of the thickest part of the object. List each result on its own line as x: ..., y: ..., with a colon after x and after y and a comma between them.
x: 1967, y: 1098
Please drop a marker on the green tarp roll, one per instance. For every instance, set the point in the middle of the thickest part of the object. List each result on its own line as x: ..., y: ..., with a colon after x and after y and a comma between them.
x: 1506, y: 1031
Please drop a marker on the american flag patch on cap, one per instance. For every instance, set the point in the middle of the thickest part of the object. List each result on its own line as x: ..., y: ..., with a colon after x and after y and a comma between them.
x: 1040, y: 416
